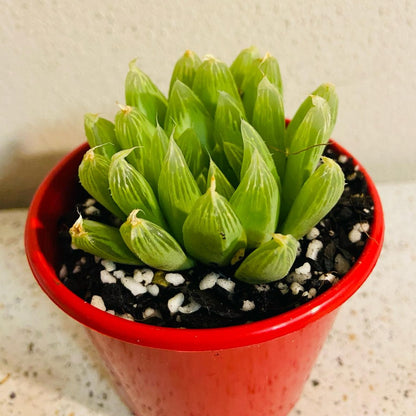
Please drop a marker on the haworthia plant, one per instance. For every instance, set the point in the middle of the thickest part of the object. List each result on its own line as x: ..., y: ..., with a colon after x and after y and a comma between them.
x: 210, y: 174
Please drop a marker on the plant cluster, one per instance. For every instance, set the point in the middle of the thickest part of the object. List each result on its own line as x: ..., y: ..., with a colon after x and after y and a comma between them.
x: 210, y: 174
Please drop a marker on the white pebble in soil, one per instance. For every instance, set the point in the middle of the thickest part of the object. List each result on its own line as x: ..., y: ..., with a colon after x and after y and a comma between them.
x: 174, y: 279
x: 226, y: 284
x: 248, y: 305
x: 151, y: 313
x: 153, y: 289
x: 329, y: 277
x: 313, y: 233
x: 97, y: 301
x: 118, y: 274
x: 296, y: 288
x: 107, y: 277
x: 109, y: 265
x: 191, y: 307
x: 144, y: 276
x: 63, y: 272
x: 135, y: 288
x: 314, y: 247
x: 176, y: 302
x: 209, y: 281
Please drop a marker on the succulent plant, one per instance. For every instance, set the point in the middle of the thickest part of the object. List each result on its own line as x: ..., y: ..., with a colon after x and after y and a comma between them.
x: 210, y: 174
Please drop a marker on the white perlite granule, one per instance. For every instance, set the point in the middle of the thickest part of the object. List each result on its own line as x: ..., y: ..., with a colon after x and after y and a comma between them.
x: 109, y: 265
x: 135, y: 288
x: 248, y: 305
x: 153, y: 289
x: 355, y: 234
x: 89, y: 202
x: 63, y: 272
x: 91, y: 210
x: 226, y: 284
x: 296, y: 288
x: 119, y: 274
x: 313, y: 233
x: 175, y: 302
x: 174, y: 279
x: 98, y: 302
x: 143, y: 276
x: 191, y: 307
x: 107, y: 277
x: 127, y: 316
x: 208, y: 282
x: 150, y: 313
x: 329, y: 277
x: 314, y: 247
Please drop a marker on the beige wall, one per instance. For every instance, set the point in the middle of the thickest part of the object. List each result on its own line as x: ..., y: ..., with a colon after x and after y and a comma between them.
x: 60, y: 59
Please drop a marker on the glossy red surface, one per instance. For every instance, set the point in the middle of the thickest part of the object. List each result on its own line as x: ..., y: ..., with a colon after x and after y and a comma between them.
x: 252, y: 369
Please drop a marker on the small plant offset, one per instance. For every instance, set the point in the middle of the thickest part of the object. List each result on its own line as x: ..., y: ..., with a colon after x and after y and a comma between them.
x: 210, y: 174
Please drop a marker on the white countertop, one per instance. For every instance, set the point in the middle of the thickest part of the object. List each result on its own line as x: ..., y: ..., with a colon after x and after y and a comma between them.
x: 367, y: 366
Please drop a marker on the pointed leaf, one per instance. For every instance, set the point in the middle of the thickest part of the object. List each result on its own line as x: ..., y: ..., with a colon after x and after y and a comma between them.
x: 142, y: 93
x: 185, y: 69
x: 212, y: 231
x: 256, y: 202
x: 177, y: 189
x: 227, y: 131
x: 130, y: 190
x: 195, y: 154
x: 100, y: 132
x: 185, y: 110
x: 270, y: 262
x: 93, y: 175
x: 269, y: 67
x: 305, y: 146
x: 133, y: 129
x: 317, y: 197
x: 153, y: 245
x: 253, y: 141
x: 328, y: 92
x: 155, y: 155
x: 269, y: 121
x: 101, y: 240
x: 211, y: 77
x: 223, y: 186
x: 242, y: 64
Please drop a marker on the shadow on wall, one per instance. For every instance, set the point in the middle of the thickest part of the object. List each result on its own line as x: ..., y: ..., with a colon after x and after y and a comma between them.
x: 22, y: 173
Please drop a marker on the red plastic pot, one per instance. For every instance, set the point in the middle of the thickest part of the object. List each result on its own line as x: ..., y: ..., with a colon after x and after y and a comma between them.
x: 255, y: 369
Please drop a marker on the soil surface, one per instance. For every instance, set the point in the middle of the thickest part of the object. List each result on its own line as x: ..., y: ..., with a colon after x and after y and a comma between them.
x: 206, y: 297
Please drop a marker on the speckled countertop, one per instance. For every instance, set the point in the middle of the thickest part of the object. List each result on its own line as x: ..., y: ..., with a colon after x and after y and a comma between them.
x: 367, y: 366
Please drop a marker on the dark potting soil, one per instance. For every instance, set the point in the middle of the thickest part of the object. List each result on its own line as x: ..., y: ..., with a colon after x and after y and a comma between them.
x: 206, y: 297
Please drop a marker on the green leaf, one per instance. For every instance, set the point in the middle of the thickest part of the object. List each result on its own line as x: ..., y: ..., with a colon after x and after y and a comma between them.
x: 212, y: 232
x: 100, y: 134
x: 211, y: 77
x: 153, y: 245
x: 177, y: 189
x: 130, y: 190
x: 185, y: 110
x: 93, y: 175
x: 317, y: 197
x: 101, y: 240
x: 142, y: 93
x: 227, y: 132
x: 269, y: 121
x: 133, y: 129
x: 327, y: 91
x: 223, y: 186
x: 185, y: 69
x: 155, y: 152
x: 268, y: 66
x: 243, y: 63
x: 270, y: 262
x: 306, y: 141
x: 253, y: 141
x: 195, y: 154
x: 256, y: 202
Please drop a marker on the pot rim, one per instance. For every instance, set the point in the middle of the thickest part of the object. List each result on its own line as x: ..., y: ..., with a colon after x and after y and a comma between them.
x: 180, y: 339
